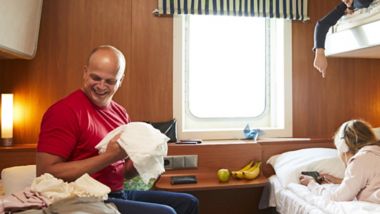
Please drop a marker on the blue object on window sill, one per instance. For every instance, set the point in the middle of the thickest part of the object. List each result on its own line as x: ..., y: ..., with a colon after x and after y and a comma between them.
x: 251, y: 134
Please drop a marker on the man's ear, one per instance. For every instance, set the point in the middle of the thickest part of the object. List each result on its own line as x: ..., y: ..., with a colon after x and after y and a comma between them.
x: 121, y: 80
x: 84, y: 71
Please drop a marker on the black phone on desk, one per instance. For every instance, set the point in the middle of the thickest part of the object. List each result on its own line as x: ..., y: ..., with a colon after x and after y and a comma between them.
x: 317, y: 177
x: 183, y: 179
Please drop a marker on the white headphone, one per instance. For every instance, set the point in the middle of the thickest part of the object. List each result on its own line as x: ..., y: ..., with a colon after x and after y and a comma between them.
x: 339, y: 140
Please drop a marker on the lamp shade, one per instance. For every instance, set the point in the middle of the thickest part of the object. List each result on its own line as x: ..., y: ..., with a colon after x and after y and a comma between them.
x: 6, y: 116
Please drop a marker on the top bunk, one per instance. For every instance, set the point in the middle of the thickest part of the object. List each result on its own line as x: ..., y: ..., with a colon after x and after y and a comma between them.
x: 356, y: 35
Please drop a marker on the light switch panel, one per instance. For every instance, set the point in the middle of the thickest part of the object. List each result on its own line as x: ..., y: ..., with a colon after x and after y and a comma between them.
x: 178, y: 162
x: 191, y: 161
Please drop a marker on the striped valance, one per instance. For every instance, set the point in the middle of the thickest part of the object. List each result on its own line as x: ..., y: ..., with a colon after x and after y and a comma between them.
x: 288, y: 9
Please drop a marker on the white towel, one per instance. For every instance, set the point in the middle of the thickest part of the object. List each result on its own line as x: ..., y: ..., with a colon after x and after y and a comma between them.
x: 87, y: 187
x: 52, y: 188
x: 145, y: 146
x: 55, y: 189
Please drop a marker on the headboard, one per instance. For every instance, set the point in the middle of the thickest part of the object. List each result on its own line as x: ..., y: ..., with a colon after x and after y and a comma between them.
x: 17, y: 155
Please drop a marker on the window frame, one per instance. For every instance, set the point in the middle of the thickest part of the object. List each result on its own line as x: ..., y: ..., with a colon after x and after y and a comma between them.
x: 285, y: 93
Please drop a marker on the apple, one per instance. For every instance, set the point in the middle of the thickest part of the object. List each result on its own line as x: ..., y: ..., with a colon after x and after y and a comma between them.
x: 223, y: 175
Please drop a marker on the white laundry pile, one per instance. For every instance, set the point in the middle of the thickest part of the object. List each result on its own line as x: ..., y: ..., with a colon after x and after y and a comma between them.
x: 48, y: 194
x: 145, y: 146
x: 56, y: 189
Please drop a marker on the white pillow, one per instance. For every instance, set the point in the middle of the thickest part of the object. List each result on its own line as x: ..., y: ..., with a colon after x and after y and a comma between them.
x: 289, y: 165
x: 16, y: 178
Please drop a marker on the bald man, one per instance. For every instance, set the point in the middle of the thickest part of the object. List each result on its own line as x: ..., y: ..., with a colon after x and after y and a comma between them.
x: 73, y: 126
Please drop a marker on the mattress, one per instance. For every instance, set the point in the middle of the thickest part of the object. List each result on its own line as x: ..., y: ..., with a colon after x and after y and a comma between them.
x: 296, y: 198
x: 359, y: 17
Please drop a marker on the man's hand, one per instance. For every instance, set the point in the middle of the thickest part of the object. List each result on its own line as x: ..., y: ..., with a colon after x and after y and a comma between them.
x: 115, y: 150
x: 320, y: 61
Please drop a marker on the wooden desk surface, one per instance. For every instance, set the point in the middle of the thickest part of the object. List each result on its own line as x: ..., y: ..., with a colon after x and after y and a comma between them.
x: 207, y: 180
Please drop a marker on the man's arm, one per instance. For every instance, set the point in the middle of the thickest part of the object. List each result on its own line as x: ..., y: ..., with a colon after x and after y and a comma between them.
x: 70, y: 171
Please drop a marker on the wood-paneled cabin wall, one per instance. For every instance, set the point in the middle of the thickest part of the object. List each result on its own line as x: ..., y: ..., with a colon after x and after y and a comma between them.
x: 71, y: 28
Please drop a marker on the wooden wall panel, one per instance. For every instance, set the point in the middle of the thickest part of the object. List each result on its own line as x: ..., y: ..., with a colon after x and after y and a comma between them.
x: 71, y: 28
x: 150, y: 79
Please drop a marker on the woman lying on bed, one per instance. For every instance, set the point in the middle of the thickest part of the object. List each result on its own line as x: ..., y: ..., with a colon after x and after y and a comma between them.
x: 360, y: 151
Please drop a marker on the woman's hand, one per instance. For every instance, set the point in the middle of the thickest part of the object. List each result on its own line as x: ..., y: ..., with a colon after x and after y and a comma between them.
x: 320, y: 61
x: 305, y: 179
x: 329, y: 179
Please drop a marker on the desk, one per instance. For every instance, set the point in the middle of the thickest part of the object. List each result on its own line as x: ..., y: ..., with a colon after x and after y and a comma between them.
x: 207, y: 180
x: 235, y: 196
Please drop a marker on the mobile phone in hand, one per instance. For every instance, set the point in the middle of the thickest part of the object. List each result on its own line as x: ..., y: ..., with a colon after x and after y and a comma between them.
x: 317, y: 177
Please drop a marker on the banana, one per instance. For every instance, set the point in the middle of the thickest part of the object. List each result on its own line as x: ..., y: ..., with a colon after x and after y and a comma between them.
x: 253, y: 172
x: 246, y: 167
x: 239, y: 173
x: 254, y: 166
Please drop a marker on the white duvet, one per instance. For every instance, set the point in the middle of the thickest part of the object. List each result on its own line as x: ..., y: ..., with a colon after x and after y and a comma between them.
x: 297, y: 198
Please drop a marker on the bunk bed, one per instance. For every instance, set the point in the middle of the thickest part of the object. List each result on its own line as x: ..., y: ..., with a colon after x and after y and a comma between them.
x: 359, y: 17
x: 356, y: 35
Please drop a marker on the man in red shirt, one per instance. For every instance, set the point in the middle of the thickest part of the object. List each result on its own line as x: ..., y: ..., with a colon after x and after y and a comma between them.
x: 73, y: 126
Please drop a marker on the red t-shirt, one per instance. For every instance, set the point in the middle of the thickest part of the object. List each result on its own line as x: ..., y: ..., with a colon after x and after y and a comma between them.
x: 72, y: 127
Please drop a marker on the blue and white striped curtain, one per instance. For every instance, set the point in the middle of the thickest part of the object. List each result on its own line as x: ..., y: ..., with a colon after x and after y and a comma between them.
x: 287, y: 9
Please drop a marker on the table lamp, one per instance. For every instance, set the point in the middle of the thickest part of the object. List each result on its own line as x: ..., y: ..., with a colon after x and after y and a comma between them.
x: 7, y: 119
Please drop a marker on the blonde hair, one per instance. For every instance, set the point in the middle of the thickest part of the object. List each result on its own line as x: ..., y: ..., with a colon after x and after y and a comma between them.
x: 357, y: 134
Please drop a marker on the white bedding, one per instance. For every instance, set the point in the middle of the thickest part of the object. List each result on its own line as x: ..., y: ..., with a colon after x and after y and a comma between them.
x: 296, y: 198
x: 359, y: 17
x: 286, y: 202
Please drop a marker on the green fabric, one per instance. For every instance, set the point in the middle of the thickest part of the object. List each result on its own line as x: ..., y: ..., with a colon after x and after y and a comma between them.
x: 137, y: 183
